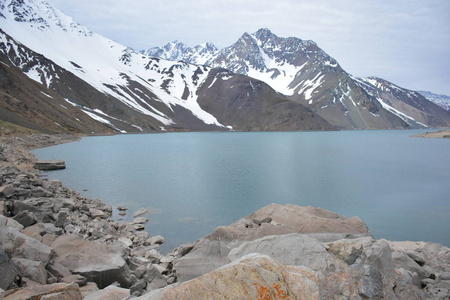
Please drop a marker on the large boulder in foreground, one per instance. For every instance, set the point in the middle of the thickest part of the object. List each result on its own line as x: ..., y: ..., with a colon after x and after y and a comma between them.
x: 211, y: 251
x: 291, y: 249
x: 97, y: 262
x: 252, y: 277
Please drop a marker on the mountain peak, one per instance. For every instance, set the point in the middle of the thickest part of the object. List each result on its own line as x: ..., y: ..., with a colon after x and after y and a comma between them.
x: 264, y: 34
x: 40, y: 15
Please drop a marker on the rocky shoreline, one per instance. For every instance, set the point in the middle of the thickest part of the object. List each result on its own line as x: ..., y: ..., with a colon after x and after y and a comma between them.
x: 56, y: 244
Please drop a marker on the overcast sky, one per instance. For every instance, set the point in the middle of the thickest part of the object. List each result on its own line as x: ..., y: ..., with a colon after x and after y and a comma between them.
x: 404, y: 41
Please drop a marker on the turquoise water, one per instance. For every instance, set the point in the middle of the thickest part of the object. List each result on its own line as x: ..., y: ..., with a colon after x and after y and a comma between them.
x: 194, y: 182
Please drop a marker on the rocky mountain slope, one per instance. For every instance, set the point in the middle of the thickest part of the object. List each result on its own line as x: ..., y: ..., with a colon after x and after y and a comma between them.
x: 123, y: 90
x: 306, y: 74
x: 441, y: 100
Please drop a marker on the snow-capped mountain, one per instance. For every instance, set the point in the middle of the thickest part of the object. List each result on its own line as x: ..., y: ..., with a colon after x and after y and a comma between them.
x: 113, y: 84
x: 303, y: 72
x: 441, y: 100
x: 178, y: 51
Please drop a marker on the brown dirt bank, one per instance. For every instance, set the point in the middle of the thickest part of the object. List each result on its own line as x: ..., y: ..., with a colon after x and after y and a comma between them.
x: 437, y: 134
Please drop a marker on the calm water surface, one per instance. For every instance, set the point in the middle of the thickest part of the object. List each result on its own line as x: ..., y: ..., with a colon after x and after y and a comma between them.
x: 194, y: 182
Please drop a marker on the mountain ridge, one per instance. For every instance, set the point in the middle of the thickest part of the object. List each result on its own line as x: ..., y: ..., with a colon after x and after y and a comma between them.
x: 113, y: 84
x: 129, y: 91
x: 439, y: 99
x: 306, y: 74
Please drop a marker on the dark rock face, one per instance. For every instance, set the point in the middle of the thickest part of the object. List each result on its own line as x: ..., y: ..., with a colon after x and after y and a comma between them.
x: 247, y: 104
x: 51, y: 164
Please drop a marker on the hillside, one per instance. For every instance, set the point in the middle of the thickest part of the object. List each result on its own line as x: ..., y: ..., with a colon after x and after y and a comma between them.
x: 116, y: 86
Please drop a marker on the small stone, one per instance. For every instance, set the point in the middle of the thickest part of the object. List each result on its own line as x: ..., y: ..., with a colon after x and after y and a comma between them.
x: 7, y: 190
x: 167, y: 259
x: 36, y: 229
x: 140, y: 212
x: 139, y: 226
x: 110, y: 292
x: 185, y: 249
x: 160, y: 268
x: 97, y: 213
x: 157, y: 240
x: 122, y: 208
x: 54, y: 184
x: 154, y: 256
x: 126, y: 241
x: 122, y: 213
x: 25, y: 218
x: 140, y: 220
x: 265, y: 220
x: 89, y: 288
x: 138, y: 287
x: 78, y: 279
x: 445, y: 276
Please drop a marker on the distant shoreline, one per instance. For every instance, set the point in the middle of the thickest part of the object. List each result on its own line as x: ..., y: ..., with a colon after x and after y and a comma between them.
x: 437, y: 134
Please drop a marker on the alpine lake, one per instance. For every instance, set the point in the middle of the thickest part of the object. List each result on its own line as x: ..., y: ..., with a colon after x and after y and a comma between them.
x: 193, y: 182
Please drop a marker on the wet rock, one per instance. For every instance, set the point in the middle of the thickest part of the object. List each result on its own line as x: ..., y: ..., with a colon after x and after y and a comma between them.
x: 51, y: 164
x: 140, y: 212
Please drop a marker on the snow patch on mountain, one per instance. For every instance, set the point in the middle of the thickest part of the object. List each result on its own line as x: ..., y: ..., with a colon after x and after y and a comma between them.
x: 104, y: 64
x: 441, y: 100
